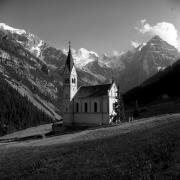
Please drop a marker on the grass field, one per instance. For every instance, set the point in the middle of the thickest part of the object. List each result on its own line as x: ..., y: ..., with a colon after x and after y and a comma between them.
x: 141, y: 150
x: 39, y: 130
x: 157, y: 108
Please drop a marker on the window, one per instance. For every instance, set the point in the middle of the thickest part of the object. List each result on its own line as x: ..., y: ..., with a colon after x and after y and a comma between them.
x: 77, y: 107
x: 67, y: 80
x: 95, y: 107
x: 85, y: 107
x: 73, y: 80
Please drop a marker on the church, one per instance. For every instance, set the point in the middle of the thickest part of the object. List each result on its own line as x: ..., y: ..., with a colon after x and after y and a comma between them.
x: 86, y: 105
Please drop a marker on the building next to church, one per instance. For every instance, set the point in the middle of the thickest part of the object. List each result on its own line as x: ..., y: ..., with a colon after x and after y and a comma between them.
x: 86, y: 105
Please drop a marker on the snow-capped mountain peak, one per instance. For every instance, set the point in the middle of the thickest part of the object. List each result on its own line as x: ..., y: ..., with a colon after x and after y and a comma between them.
x: 141, y: 46
x: 129, y: 68
x: 84, y: 53
x: 82, y: 56
x: 29, y: 41
x: 11, y: 29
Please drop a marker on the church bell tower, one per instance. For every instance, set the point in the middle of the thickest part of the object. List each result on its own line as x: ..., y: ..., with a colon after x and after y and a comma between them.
x: 69, y: 82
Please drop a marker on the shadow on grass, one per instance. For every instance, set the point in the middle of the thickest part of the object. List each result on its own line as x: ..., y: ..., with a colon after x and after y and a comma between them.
x: 33, y: 137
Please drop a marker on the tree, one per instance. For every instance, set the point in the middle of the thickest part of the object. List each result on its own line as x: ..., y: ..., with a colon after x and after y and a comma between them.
x: 16, y: 111
x: 122, y: 109
x: 119, y: 108
x: 136, y: 111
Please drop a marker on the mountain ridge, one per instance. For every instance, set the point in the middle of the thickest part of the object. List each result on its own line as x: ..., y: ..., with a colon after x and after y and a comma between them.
x: 32, y: 63
x: 162, y: 85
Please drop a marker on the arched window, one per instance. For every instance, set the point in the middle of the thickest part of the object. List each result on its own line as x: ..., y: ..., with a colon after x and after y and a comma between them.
x: 77, y: 107
x: 95, y: 107
x: 73, y: 80
x: 85, y: 107
x: 66, y: 80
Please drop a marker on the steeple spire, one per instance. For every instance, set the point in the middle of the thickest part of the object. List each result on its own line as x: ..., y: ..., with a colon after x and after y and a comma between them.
x: 69, y: 45
x: 69, y: 60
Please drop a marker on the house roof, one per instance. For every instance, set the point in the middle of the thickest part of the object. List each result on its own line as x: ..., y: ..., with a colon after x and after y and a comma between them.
x: 93, y: 91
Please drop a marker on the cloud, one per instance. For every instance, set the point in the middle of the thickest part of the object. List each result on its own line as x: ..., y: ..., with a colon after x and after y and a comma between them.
x: 165, y: 30
x: 143, y: 21
x: 135, y: 44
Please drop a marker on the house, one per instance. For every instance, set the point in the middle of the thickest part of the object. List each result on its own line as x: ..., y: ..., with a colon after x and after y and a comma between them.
x: 86, y: 105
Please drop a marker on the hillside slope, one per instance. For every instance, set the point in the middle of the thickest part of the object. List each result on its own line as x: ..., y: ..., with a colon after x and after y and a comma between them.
x: 129, y: 69
x: 17, y: 112
x: 35, y: 68
x: 137, y: 150
x: 145, y: 61
x: 164, y: 83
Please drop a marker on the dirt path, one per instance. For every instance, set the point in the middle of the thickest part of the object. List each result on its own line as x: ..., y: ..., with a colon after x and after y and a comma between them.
x: 96, y: 133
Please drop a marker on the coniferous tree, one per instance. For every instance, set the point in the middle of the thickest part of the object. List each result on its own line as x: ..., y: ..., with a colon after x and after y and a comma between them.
x: 136, y: 111
x: 119, y: 108
x: 16, y: 111
x: 122, y: 108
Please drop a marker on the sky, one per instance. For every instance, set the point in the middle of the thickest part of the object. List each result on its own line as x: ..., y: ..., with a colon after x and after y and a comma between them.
x: 103, y: 26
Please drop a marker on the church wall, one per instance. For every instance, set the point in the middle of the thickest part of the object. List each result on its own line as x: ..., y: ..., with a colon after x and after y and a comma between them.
x: 67, y: 119
x: 102, y: 104
x: 67, y: 112
x: 90, y: 119
x: 101, y: 116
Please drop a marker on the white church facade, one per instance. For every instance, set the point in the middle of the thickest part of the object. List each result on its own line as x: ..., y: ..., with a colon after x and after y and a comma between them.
x: 86, y: 105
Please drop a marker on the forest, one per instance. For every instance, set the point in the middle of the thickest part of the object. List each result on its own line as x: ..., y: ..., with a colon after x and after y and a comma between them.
x: 16, y: 111
x: 163, y: 84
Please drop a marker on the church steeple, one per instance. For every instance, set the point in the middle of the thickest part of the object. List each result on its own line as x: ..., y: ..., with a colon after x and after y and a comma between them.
x: 69, y: 61
x: 70, y: 77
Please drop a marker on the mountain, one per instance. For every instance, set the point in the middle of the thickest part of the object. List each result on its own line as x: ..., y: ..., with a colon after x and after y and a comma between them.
x: 164, y: 84
x: 17, y: 112
x: 22, y: 67
x: 145, y: 61
x: 131, y: 68
x: 34, y: 67
x: 82, y: 56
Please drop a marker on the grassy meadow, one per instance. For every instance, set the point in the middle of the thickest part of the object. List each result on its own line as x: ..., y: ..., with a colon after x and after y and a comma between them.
x: 149, y: 152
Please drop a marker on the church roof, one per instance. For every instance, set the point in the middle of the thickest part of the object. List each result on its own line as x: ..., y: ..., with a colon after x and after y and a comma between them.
x: 69, y: 60
x: 93, y: 91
